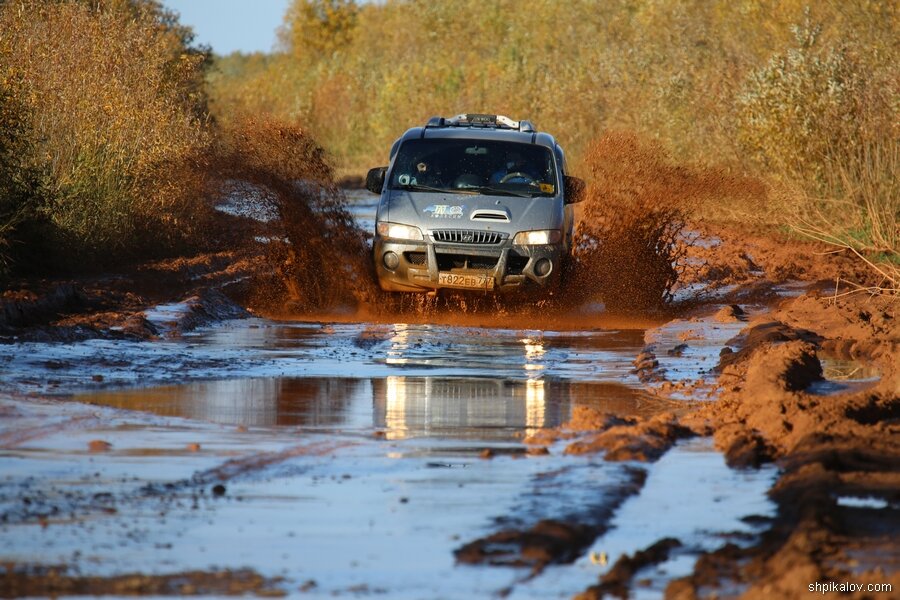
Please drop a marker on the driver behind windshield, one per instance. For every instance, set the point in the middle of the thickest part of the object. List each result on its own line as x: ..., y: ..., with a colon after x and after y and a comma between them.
x: 465, y: 164
x: 516, y: 170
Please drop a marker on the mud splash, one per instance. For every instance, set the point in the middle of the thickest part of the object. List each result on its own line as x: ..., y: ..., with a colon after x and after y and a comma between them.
x: 632, y: 244
x: 280, y: 189
x: 631, y: 247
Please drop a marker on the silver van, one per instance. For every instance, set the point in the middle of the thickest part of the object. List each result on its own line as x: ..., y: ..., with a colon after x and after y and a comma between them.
x: 473, y: 202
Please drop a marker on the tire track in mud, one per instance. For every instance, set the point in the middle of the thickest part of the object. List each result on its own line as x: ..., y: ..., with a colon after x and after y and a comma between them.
x: 257, y: 462
x: 15, y: 438
x: 24, y: 505
x: 552, y: 539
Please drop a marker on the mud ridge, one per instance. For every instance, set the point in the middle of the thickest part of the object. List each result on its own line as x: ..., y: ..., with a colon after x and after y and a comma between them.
x: 632, y: 438
x: 550, y: 541
x: 838, y: 496
x: 53, y: 581
x: 617, y: 581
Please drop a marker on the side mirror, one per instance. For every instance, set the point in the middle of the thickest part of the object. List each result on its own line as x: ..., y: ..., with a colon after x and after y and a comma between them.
x: 573, y: 189
x: 375, y: 179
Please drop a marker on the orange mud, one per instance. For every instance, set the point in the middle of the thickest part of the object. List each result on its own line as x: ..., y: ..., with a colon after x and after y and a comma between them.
x: 630, y: 247
x: 845, y: 443
x: 54, y: 582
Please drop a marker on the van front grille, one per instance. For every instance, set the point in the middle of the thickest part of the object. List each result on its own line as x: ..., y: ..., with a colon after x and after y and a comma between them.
x: 467, y: 236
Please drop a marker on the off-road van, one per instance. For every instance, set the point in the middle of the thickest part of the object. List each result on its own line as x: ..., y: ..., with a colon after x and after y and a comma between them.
x: 477, y: 202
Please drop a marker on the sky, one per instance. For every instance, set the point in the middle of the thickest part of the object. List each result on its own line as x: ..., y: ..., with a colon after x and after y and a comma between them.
x: 232, y: 25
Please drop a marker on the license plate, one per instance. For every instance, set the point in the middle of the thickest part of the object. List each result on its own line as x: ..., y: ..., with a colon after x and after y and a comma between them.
x: 481, y: 282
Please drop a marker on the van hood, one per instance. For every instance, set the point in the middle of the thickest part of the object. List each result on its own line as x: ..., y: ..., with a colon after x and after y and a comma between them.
x: 507, y: 214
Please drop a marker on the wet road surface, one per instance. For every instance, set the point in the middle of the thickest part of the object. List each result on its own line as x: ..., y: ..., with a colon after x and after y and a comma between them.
x: 350, y: 455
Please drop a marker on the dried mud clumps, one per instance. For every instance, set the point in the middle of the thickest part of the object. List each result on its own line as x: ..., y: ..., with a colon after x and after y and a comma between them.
x: 18, y: 581
x: 616, y: 582
x: 551, y: 541
x: 837, y: 444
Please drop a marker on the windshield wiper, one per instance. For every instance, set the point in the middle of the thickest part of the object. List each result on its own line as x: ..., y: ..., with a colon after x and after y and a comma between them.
x: 418, y: 187
x: 486, y: 189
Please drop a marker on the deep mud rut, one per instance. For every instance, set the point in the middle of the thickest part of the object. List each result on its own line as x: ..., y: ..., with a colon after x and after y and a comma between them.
x: 401, y: 460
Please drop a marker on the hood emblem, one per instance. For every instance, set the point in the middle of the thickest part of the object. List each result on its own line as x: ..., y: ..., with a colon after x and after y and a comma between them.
x: 445, y: 211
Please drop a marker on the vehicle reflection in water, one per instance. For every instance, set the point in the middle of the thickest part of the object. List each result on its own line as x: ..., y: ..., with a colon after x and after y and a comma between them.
x: 534, y: 352
x: 467, y: 407
x: 400, y: 406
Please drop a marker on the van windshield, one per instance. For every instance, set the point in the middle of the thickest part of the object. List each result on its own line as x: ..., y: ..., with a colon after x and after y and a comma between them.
x: 474, y: 167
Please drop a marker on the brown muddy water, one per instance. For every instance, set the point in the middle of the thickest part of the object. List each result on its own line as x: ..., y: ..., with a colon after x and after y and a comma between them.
x: 352, y: 459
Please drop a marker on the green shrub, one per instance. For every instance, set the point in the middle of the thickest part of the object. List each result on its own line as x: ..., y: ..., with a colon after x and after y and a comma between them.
x: 117, y: 108
x: 802, y: 108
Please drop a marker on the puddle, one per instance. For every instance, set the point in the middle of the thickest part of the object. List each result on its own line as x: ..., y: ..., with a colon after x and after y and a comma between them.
x: 398, y: 406
x: 256, y: 348
x: 688, y: 349
x: 690, y: 495
x: 837, y: 370
x: 862, y: 502
x: 349, y: 454
x: 843, y: 375
x: 370, y: 481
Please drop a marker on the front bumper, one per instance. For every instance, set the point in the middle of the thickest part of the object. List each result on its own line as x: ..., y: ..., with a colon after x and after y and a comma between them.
x: 420, y: 263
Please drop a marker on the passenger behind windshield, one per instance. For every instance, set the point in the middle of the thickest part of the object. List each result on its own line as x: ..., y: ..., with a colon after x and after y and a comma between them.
x: 465, y: 165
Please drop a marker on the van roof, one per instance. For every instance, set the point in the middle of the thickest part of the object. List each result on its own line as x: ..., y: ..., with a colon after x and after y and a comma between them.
x: 481, y: 127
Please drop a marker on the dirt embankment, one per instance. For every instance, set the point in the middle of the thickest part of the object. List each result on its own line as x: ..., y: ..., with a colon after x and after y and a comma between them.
x: 837, y: 443
x: 117, y: 305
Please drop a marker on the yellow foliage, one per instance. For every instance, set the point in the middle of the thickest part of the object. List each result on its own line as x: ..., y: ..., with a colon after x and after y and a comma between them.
x: 317, y: 28
x: 670, y: 69
x: 116, y: 103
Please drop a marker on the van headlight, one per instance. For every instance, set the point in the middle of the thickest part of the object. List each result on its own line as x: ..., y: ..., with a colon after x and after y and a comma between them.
x: 537, y: 238
x: 398, y: 232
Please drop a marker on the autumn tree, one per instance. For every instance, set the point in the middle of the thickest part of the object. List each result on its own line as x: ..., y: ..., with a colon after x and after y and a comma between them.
x: 315, y: 29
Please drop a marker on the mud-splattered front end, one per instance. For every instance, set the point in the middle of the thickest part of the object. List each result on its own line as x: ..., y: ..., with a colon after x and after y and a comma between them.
x: 470, y: 242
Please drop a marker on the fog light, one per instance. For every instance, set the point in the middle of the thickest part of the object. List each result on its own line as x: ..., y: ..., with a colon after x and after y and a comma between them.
x: 391, y: 260
x: 543, y: 267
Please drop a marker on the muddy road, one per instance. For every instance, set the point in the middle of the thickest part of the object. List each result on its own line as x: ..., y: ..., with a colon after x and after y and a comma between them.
x: 333, y: 457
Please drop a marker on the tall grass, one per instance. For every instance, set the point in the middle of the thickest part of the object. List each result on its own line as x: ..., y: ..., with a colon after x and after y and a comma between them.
x: 115, y: 108
x: 674, y: 70
x: 20, y: 194
x: 862, y: 213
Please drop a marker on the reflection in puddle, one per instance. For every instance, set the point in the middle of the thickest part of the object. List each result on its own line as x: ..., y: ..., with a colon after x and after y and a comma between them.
x: 834, y: 369
x: 843, y: 375
x: 405, y: 406
x: 399, y: 406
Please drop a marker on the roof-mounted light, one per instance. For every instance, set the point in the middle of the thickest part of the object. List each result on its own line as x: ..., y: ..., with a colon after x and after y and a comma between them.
x: 481, y: 120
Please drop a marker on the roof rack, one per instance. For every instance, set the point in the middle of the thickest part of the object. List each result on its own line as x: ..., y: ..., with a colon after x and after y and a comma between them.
x: 481, y: 120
